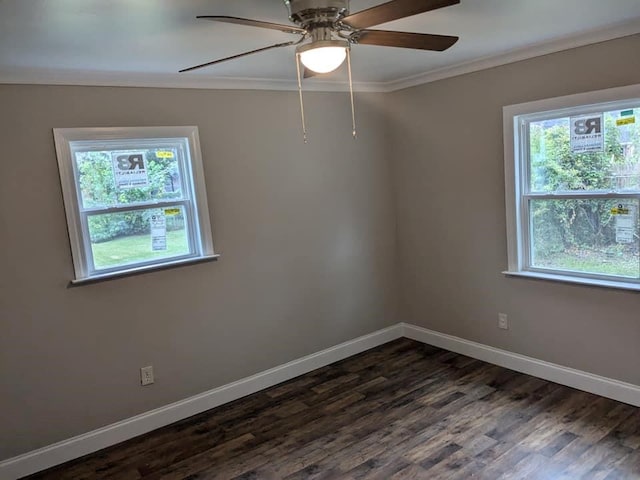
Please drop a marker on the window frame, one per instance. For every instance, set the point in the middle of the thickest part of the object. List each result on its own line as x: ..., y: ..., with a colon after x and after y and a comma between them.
x: 194, y: 197
x: 516, y: 119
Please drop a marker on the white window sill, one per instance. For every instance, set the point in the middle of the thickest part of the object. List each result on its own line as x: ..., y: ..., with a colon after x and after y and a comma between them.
x: 140, y: 270
x: 592, y: 282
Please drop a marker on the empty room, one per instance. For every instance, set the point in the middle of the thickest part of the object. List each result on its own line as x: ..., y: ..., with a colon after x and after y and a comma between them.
x: 320, y: 239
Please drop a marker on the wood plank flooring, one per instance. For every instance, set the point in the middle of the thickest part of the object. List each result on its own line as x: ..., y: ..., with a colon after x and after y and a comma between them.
x: 401, y: 411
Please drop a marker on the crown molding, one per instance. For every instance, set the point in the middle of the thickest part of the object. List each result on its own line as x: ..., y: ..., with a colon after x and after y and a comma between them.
x: 37, y: 76
x: 40, y: 76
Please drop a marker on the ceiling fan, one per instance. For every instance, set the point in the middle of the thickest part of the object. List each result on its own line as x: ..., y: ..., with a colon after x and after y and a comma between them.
x: 331, y: 29
x: 327, y: 30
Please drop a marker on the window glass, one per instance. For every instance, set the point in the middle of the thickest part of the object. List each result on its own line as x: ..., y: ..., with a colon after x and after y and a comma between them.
x: 121, y: 177
x: 137, y: 236
x: 558, y: 165
x: 594, y: 235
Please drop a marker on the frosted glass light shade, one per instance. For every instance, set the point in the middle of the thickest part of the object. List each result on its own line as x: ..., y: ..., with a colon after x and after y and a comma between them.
x: 323, y: 56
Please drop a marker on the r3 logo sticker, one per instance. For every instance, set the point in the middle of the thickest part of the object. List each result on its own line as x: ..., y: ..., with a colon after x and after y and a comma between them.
x: 129, y: 170
x: 130, y: 162
x: 586, y: 126
x: 587, y: 133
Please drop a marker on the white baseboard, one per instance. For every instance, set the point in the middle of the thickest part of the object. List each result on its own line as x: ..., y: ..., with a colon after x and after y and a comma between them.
x: 90, y: 442
x: 588, y: 382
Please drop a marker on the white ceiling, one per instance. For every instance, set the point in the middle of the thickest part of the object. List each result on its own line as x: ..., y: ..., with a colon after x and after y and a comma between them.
x: 145, y: 42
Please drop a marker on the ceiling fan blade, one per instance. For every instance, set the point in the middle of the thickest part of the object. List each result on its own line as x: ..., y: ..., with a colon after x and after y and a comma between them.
x: 233, y: 57
x: 254, y: 23
x: 394, y: 10
x: 420, y: 41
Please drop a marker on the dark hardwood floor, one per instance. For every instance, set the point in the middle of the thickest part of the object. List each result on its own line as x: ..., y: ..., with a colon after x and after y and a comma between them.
x: 400, y: 411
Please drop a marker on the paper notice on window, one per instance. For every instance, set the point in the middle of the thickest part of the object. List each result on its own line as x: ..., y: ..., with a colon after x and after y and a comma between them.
x: 158, y: 232
x: 129, y: 170
x: 626, y: 224
x: 587, y: 133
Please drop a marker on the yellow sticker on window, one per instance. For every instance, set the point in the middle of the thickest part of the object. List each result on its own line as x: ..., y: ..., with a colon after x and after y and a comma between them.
x: 620, y: 211
x: 625, y: 121
x: 171, y: 211
x: 164, y: 154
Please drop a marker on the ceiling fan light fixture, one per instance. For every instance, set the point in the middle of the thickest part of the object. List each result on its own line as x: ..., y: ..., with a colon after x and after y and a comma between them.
x: 323, y: 56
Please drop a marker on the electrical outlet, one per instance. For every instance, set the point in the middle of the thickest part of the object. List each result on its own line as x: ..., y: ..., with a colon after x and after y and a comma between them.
x: 146, y: 375
x: 503, y: 321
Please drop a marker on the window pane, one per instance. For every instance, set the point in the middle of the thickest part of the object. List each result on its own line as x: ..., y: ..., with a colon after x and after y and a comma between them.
x: 598, y: 236
x: 110, y: 178
x: 587, y: 152
x: 138, y: 236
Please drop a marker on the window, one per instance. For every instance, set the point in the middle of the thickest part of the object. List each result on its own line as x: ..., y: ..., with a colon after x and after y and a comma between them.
x: 134, y: 197
x: 572, y: 171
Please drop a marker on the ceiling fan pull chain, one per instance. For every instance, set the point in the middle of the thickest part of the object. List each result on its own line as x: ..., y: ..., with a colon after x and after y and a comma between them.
x: 304, y: 127
x: 353, y: 109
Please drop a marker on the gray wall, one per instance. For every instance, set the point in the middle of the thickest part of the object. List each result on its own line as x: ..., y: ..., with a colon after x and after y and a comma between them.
x: 306, y: 233
x: 448, y: 159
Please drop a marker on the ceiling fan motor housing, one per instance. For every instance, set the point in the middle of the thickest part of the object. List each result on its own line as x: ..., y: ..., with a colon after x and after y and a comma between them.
x: 312, y: 14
